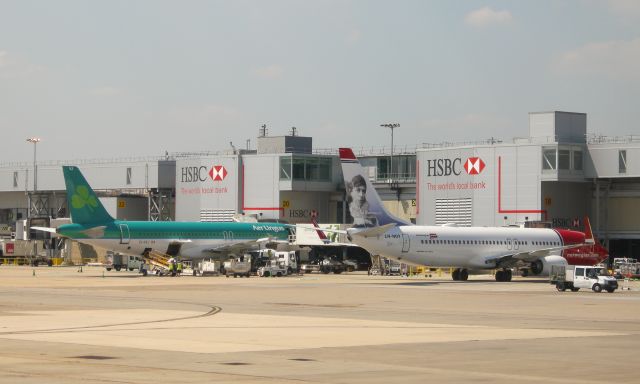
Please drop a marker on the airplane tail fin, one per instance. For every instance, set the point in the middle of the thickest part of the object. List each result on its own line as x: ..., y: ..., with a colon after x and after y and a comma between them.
x: 589, y: 238
x: 320, y: 232
x: 83, y: 203
x: 364, y: 202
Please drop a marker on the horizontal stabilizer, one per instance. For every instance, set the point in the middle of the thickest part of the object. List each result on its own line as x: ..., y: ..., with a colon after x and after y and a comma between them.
x: 53, y: 231
x: 375, y: 231
x: 95, y: 232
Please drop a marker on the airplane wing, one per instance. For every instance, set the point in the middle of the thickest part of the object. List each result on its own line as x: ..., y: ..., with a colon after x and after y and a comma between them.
x: 314, y: 235
x: 244, y: 246
x: 374, y: 231
x: 511, y: 259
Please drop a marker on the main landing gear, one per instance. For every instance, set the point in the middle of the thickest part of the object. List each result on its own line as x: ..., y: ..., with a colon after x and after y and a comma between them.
x: 503, y: 275
x: 460, y: 274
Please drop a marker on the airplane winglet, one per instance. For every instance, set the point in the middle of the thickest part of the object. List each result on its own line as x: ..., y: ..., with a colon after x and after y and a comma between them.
x: 346, y: 154
x: 588, y: 234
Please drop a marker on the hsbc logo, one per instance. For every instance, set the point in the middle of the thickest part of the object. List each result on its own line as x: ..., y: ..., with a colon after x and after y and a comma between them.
x: 199, y: 174
x: 474, y: 165
x: 449, y: 167
x: 218, y: 173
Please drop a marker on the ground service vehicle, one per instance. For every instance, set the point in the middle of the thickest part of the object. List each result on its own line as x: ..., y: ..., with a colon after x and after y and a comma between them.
x: 119, y: 261
x: 272, y: 269
x: 308, y: 268
x: 330, y: 265
x: 239, y: 266
x: 574, y: 277
x: 206, y: 267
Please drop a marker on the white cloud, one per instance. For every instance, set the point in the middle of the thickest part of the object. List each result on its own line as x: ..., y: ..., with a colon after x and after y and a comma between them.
x: 486, y: 16
x: 614, y: 59
x: 271, y: 72
x: 105, y: 91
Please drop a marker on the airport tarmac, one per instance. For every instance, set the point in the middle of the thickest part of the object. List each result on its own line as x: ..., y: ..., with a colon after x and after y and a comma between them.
x: 59, y: 325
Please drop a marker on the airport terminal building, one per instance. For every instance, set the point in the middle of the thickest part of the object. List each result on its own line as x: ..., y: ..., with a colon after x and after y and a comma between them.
x: 558, y: 174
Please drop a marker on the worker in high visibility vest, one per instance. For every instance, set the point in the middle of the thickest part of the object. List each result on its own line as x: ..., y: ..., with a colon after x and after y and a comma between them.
x: 179, y: 268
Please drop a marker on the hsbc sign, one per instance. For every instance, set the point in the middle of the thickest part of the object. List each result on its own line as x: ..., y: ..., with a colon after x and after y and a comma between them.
x: 474, y: 165
x: 202, y: 173
x: 448, y: 167
x: 217, y: 173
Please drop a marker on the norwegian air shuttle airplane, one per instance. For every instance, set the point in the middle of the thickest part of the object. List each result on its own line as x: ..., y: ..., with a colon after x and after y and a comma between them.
x: 463, y: 248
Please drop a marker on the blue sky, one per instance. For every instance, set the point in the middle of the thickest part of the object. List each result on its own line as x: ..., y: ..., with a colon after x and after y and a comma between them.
x: 102, y: 79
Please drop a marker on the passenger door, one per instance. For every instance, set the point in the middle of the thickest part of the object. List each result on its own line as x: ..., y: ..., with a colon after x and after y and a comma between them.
x: 125, y: 236
x: 405, y: 243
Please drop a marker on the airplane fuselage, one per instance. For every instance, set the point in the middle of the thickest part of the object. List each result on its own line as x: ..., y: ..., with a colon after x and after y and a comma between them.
x: 473, y: 248
x: 190, y: 239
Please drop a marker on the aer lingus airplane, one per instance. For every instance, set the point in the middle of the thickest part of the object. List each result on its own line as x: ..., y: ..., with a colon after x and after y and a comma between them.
x: 91, y: 224
x: 462, y: 248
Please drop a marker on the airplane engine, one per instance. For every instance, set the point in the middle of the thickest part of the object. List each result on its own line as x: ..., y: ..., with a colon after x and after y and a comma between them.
x: 542, y: 266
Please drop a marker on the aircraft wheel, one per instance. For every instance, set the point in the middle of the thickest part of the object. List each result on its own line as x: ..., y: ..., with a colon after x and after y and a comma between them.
x: 524, y: 273
x: 455, y: 275
x: 500, y: 275
x: 118, y: 268
x: 463, y: 275
x: 507, y: 275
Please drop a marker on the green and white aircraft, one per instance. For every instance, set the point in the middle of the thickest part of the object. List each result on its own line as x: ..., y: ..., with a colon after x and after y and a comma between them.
x: 91, y: 224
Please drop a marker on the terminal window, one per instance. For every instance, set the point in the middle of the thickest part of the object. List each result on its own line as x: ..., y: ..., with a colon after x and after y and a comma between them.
x: 305, y: 168
x: 15, y: 179
x: 549, y: 158
x: 577, y: 160
x: 129, y: 176
x: 622, y: 161
x: 564, y: 159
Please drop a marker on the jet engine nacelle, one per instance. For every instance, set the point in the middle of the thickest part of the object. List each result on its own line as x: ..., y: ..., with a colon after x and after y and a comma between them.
x: 542, y: 266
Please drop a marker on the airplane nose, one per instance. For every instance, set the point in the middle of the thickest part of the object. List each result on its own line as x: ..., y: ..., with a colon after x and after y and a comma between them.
x: 571, y: 237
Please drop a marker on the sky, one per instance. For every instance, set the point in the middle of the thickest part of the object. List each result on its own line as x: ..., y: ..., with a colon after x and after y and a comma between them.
x: 112, y: 79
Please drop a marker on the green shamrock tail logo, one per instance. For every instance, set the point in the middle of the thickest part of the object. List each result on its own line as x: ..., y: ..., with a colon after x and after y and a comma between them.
x: 81, y: 198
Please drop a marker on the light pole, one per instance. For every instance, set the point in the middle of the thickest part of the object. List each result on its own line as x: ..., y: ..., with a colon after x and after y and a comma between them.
x: 391, y: 126
x: 35, y: 141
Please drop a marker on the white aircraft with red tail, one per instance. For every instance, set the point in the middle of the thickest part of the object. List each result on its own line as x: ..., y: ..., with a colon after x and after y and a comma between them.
x: 462, y: 248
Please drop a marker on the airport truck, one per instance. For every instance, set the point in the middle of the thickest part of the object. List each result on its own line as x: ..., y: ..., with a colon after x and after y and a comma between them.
x: 238, y: 266
x: 118, y: 262
x: 206, y: 267
x: 575, y: 277
x: 272, y: 269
